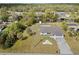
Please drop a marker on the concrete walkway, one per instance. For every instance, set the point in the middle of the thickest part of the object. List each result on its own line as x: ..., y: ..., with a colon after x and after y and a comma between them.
x: 63, y: 46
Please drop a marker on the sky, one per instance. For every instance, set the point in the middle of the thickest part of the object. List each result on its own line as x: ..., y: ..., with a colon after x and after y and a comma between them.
x: 39, y: 1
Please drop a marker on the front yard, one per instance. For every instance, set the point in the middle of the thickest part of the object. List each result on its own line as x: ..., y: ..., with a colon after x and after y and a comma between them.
x: 33, y: 44
x: 73, y: 43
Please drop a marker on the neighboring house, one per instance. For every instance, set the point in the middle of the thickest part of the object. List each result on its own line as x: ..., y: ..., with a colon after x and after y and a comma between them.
x: 73, y: 26
x: 39, y: 13
x: 52, y: 31
x: 70, y: 20
x: 14, y: 17
x: 62, y: 15
x: 15, y: 12
x: 38, y: 16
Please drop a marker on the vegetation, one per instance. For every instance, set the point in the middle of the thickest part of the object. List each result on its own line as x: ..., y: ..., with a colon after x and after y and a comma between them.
x: 71, y: 37
x: 64, y: 25
x: 10, y: 34
x: 3, y: 14
x: 30, y: 44
x: 27, y: 11
x: 21, y: 17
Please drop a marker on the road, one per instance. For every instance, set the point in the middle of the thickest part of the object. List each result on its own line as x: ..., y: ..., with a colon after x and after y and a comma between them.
x: 63, y: 46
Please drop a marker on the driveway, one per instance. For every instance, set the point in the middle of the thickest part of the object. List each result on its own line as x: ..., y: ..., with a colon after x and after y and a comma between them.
x: 63, y: 46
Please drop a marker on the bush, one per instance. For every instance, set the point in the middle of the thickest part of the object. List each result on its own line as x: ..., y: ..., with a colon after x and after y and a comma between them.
x: 21, y: 27
x: 29, y: 31
x: 64, y: 25
x: 24, y: 38
x: 70, y: 33
x: 10, y: 40
x: 3, y: 36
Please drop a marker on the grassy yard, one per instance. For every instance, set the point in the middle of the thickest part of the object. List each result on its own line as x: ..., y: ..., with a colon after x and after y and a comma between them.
x: 33, y: 44
x: 73, y: 43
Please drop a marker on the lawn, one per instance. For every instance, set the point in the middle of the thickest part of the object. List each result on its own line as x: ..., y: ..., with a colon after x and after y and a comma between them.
x: 32, y: 44
x: 73, y: 43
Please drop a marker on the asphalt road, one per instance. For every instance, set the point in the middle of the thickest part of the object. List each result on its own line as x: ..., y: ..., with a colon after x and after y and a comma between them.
x: 63, y: 46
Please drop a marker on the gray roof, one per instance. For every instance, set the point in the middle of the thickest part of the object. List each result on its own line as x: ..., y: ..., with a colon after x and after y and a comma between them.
x: 62, y: 14
x: 72, y: 24
x: 52, y: 30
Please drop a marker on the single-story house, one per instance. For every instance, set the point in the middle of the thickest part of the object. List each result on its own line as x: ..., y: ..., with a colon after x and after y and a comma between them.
x: 39, y: 13
x: 16, y: 12
x: 38, y: 16
x: 73, y: 26
x: 62, y: 15
x: 52, y: 31
x: 70, y: 20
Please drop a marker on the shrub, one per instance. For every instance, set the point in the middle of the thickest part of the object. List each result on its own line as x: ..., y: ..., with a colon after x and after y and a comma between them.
x: 64, y: 25
x: 3, y: 36
x: 10, y: 40
x: 70, y: 33
x: 29, y: 31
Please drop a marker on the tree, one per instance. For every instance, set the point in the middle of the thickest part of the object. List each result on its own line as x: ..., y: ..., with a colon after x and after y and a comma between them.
x: 3, y: 36
x: 10, y: 40
x: 10, y: 34
x: 49, y: 15
x: 74, y: 16
x: 4, y: 14
x: 31, y: 18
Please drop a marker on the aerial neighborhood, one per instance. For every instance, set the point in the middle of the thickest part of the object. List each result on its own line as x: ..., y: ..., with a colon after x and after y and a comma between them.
x: 39, y: 28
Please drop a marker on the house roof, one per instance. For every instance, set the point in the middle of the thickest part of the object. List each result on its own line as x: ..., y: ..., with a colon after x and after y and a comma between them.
x: 62, y: 14
x: 72, y: 24
x: 51, y: 30
x: 39, y: 13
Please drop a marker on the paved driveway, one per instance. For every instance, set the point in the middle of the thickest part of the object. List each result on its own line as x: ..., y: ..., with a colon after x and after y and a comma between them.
x: 63, y: 46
